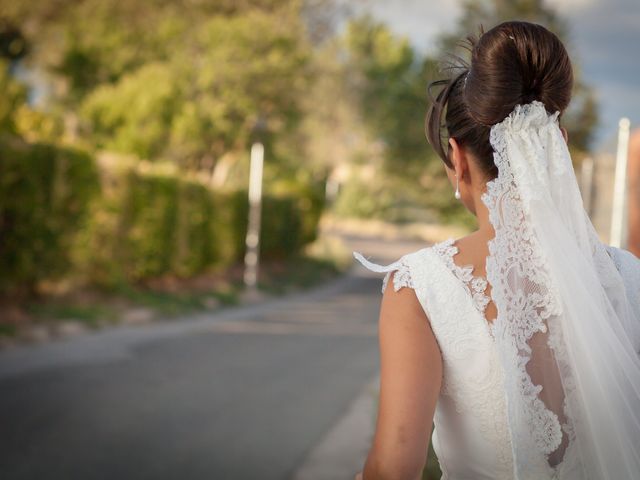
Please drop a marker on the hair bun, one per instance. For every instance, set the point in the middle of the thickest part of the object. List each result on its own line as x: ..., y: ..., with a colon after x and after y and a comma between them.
x: 516, y: 63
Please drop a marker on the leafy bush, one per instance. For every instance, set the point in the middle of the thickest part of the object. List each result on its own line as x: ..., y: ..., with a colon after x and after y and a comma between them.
x: 44, y: 194
x: 149, y: 224
x: 61, y: 215
x: 152, y: 222
x: 400, y: 199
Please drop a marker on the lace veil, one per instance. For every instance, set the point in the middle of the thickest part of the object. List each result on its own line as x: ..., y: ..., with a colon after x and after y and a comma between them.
x: 567, y: 329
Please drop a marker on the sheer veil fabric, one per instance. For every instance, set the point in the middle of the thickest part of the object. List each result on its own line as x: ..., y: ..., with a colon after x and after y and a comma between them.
x: 567, y: 330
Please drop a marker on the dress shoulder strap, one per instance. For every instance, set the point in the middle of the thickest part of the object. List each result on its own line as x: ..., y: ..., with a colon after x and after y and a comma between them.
x: 444, y: 298
x: 402, y: 278
x: 418, y: 270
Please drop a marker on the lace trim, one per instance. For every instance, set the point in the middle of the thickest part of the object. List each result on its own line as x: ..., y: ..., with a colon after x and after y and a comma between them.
x: 402, y: 278
x: 521, y: 284
x: 475, y: 284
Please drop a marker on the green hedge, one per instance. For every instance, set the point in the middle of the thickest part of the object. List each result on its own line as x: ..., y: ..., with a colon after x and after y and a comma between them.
x: 288, y: 221
x: 150, y: 224
x: 61, y: 215
x: 44, y: 195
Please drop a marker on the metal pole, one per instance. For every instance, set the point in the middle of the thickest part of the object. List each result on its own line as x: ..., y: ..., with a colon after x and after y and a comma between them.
x: 251, y: 258
x: 619, y: 188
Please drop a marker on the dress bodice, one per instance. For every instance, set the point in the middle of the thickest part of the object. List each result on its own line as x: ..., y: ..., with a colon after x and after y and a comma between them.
x: 470, y: 435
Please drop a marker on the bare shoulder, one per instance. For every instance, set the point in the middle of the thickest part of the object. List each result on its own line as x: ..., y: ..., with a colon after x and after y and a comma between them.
x: 403, y: 320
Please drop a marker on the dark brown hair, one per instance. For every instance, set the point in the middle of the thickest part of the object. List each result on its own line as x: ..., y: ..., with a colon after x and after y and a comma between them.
x: 514, y: 63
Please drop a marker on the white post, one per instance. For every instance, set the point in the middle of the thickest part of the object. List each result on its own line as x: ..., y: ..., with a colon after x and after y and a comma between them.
x: 251, y: 258
x: 619, y: 188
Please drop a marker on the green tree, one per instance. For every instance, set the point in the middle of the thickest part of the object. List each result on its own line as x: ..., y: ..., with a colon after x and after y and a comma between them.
x: 161, y: 79
x: 90, y: 42
x: 13, y: 96
x: 204, y: 100
x: 387, y: 74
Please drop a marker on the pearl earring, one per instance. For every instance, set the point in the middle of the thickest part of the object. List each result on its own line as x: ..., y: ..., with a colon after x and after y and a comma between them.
x: 457, y: 194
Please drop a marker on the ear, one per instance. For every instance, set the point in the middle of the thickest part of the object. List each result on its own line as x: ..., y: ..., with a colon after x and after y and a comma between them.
x: 458, y: 158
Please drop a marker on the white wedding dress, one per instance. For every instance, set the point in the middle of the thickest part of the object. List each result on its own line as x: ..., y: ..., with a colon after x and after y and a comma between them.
x: 471, y: 435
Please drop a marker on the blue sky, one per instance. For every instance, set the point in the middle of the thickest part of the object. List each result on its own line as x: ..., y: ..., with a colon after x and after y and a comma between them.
x: 604, y: 42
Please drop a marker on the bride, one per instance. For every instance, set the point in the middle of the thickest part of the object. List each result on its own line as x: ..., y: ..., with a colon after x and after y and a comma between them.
x: 519, y: 342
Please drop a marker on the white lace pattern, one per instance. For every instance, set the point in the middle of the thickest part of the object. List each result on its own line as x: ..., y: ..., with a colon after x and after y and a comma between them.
x: 521, y: 285
x: 475, y: 284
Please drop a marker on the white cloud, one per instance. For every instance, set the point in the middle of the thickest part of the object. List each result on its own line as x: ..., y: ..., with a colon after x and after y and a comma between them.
x: 568, y: 6
x: 420, y: 20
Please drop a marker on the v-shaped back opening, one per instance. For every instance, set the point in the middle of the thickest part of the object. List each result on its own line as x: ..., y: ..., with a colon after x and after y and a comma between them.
x: 476, y: 285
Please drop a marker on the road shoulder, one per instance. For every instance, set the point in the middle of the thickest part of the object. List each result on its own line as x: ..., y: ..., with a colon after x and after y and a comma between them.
x: 342, y: 451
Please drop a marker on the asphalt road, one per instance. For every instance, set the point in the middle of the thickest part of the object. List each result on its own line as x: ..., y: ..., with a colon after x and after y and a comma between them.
x: 243, y: 394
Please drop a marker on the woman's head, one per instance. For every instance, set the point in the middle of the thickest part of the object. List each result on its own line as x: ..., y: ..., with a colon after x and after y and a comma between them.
x: 513, y: 63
